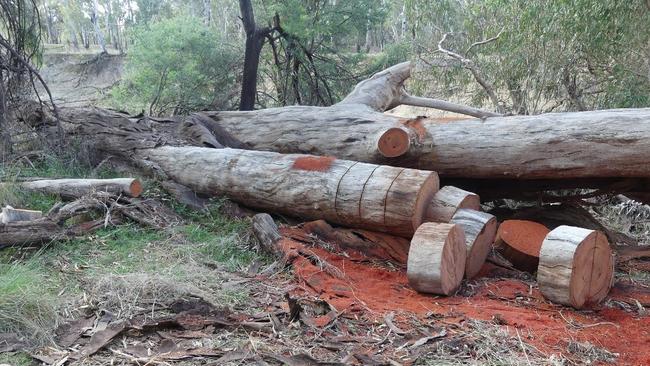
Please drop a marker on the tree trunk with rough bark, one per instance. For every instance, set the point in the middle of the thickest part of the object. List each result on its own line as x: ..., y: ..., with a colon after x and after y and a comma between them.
x: 75, y: 188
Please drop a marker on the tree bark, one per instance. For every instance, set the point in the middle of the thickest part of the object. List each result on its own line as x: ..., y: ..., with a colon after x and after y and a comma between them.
x: 447, y: 201
x: 29, y: 232
x: 576, y: 267
x: 10, y: 214
x: 436, y: 260
x: 254, y: 42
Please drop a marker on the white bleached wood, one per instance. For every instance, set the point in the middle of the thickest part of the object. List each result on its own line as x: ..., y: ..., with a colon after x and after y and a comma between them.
x: 10, y: 214
x: 375, y: 197
x: 447, y: 201
x: 436, y: 260
x: 576, y: 267
x: 75, y: 188
x: 480, y: 229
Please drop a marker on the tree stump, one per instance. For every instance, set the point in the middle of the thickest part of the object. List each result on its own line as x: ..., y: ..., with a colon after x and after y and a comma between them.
x: 480, y: 229
x: 519, y: 241
x: 576, y: 267
x: 447, y: 201
x: 436, y: 260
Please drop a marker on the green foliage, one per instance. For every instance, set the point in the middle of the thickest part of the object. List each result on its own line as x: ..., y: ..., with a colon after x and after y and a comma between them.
x: 176, y: 66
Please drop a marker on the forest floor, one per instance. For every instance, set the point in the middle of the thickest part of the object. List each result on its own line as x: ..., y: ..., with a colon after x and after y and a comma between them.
x: 200, y: 293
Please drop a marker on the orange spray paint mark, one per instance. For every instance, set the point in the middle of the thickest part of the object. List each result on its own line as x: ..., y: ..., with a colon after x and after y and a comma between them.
x: 313, y: 163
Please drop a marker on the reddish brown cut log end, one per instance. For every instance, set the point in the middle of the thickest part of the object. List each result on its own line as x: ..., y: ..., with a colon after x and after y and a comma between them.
x: 394, y: 142
x: 427, y: 191
x: 135, y: 188
x: 313, y: 163
x: 520, y: 241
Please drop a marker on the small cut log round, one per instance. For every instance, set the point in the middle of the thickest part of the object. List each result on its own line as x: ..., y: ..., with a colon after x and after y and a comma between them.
x: 576, y: 267
x: 519, y: 241
x: 436, y: 260
x: 480, y: 229
x: 447, y: 201
x: 395, y: 141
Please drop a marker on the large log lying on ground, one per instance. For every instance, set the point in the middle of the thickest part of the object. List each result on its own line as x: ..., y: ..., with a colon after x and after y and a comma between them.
x: 376, y: 197
x: 75, y: 188
x: 576, y: 267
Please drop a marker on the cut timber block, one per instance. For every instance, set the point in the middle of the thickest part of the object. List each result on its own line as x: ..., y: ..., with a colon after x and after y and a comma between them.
x: 447, y: 201
x: 436, y: 260
x: 10, y: 214
x: 519, y: 241
x: 480, y: 229
x: 576, y: 266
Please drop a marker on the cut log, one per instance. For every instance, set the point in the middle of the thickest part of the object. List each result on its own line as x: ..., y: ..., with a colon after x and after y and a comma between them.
x: 519, y: 241
x: 22, y: 233
x: 576, y: 267
x: 436, y: 260
x: 267, y: 233
x: 375, y: 197
x: 447, y: 201
x: 75, y: 188
x: 10, y: 214
x: 395, y: 141
x: 480, y: 229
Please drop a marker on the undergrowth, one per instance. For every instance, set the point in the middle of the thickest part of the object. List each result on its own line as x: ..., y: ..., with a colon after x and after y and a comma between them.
x: 123, y: 270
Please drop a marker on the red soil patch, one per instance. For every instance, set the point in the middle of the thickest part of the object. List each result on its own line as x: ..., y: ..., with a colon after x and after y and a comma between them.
x: 355, y: 283
x: 313, y: 163
x: 525, y: 236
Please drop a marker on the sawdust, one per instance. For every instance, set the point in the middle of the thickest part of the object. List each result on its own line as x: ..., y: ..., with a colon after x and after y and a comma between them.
x: 368, y: 288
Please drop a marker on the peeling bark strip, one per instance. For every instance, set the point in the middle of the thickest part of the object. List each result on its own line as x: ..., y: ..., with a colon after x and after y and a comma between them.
x: 436, y: 260
x: 376, y: 197
x: 576, y: 267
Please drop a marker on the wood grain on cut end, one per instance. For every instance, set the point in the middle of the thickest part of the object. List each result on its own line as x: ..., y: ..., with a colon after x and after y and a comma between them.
x: 135, y: 188
x: 428, y: 189
x: 447, y: 201
x: 394, y: 142
x: 576, y: 267
x: 436, y: 260
x: 520, y: 241
x: 480, y: 230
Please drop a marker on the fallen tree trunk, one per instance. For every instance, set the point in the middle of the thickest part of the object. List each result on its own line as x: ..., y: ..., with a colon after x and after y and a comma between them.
x: 376, y: 197
x: 494, y: 156
x: 29, y: 232
x: 75, y: 188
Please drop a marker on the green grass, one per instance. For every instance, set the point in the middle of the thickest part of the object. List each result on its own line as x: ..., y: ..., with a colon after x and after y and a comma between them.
x: 16, y: 359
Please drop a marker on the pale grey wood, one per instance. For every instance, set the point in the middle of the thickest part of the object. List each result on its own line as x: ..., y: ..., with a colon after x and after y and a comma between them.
x: 375, y: 197
x: 267, y: 233
x: 607, y: 143
x: 480, y: 228
x: 436, y: 259
x: 10, y: 214
x: 447, y: 201
x: 75, y: 188
x: 575, y: 266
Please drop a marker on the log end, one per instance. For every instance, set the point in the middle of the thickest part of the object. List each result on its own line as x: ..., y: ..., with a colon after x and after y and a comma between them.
x: 576, y: 267
x: 436, y: 260
x: 480, y: 230
x: 520, y: 241
x: 135, y: 188
x: 393, y: 142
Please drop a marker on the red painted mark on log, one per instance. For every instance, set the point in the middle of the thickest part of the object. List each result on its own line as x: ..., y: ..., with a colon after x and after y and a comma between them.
x: 313, y: 163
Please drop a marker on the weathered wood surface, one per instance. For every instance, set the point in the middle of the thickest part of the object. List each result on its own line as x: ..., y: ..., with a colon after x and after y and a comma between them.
x: 480, y: 229
x: 436, y: 260
x: 267, y: 233
x: 10, y: 214
x: 375, y: 197
x: 448, y: 200
x: 75, y: 188
x: 576, y: 267
x: 22, y: 233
